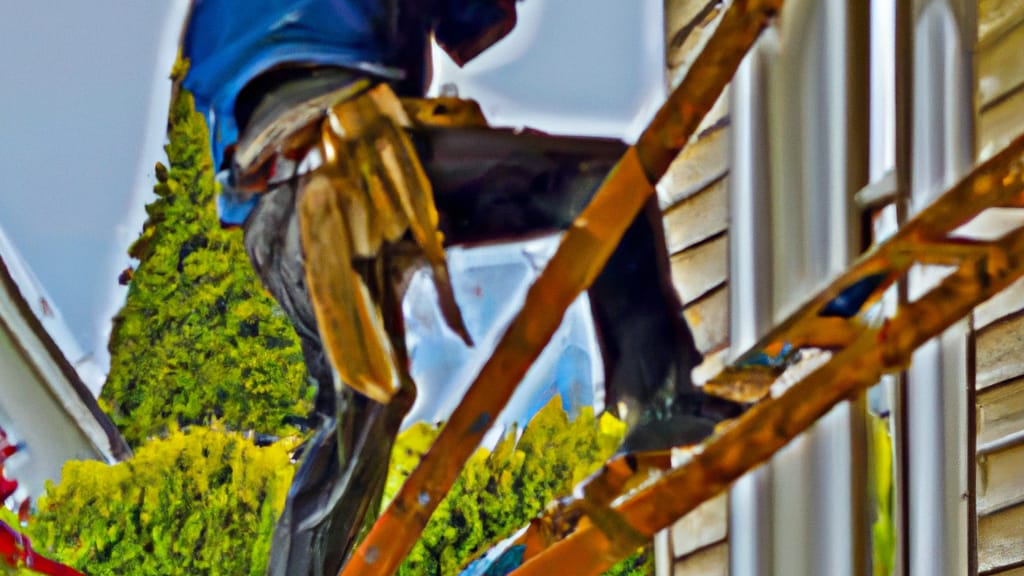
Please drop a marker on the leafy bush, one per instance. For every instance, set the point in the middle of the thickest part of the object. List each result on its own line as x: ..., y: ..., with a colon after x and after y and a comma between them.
x: 205, y: 501
x: 198, y: 502
x: 198, y: 337
x: 499, y: 491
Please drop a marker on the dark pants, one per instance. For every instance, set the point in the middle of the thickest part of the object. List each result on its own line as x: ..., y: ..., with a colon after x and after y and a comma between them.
x: 489, y: 185
x: 337, y: 488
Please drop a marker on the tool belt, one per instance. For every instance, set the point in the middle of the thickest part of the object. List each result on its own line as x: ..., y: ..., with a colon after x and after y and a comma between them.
x: 272, y: 153
x: 361, y: 188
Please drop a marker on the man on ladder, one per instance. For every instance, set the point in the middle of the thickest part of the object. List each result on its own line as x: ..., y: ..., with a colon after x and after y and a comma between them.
x: 329, y: 159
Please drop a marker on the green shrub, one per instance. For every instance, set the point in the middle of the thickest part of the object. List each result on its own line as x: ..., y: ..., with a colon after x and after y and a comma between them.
x: 198, y: 337
x: 205, y: 501
x: 198, y: 502
x: 499, y: 491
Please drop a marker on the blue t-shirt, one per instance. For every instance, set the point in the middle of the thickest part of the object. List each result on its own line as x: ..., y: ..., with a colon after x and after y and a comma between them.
x: 230, y: 42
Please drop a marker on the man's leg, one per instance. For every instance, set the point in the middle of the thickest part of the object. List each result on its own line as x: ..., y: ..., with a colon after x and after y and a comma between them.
x: 337, y: 488
x: 494, y: 184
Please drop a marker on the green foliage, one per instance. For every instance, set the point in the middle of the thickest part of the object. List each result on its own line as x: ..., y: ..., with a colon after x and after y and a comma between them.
x: 639, y: 564
x: 198, y: 502
x: 883, y: 531
x: 409, y: 448
x: 205, y: 501
x: 499, y: 491
x: 198, y: 337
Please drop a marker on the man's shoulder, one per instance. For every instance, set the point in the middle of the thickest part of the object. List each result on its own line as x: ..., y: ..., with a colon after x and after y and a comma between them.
x: 466, y: 28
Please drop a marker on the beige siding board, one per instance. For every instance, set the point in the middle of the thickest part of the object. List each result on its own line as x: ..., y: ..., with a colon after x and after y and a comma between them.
x: 706, y: 525
x: 1005, y: 303
x: 996, y: 16
x: 680, y: 17
x: 1000, y: 411
x: 1000, y: 341
x: 700, y: 217
x: 1001, y: 540
x: 1001, y: 67
x: 697, y: 166
x: 1000, y: 481
x: 700, y: 269
x: 708, y: 318
x: 679, y: 12
x: 1019, y: 571
x: 1000, y: 352
x: 713, y: 561
x: 694, y: 196
x: 717, y: 116
x: 687, y: 36
x: 1000, y: 124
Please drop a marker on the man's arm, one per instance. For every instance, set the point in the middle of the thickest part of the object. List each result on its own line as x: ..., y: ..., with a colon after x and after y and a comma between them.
x: 465, y: 28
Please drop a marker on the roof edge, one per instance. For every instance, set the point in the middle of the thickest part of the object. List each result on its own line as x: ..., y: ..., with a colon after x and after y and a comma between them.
x: 103, y: 434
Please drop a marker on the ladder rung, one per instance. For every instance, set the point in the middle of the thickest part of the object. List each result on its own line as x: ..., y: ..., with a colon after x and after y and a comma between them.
x: 949, y: 252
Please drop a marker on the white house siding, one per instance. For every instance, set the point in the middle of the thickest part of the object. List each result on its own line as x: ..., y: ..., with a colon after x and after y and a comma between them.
x: 999, y: 324
x: 693, y: 198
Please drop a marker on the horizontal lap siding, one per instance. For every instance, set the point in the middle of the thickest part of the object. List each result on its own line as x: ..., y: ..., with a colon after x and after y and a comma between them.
x: 1006, y: 302
x: 1000, y: 412
x: 1000, y: 351
x: 709, y: 320
x: 710, y: 561
x: 1000, y: 67
x: 1018, y: 571
x: 1001, y: 123
x: 701, y: 268
x: 1000, y: 71
x: 1000, y: 443
x: 698, y: 217
x: 999, y: 480
x: 705, y: 526
x: 996, y: 16
x: 699, y: 165
x: 694, y: 200
x: 999, y: 540
x: 999, y: 341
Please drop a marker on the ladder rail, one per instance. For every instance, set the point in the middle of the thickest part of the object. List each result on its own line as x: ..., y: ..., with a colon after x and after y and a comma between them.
x: 926, y: 239
x: 754, y: 437
x: 582, y: 253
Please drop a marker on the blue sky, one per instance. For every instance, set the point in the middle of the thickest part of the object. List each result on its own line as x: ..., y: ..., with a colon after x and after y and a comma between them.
x: 84, y: 98
x: 76, y: 123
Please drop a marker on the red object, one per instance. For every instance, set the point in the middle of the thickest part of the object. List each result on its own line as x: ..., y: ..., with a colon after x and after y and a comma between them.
x: 7, y: 487
x: 15, y: 548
